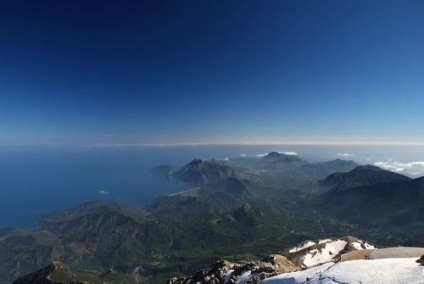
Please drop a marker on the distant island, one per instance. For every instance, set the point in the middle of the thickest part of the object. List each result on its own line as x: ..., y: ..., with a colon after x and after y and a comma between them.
x: 239, y: 209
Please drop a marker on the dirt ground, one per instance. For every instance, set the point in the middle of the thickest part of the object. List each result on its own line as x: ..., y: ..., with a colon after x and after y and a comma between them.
x: 396, y: 252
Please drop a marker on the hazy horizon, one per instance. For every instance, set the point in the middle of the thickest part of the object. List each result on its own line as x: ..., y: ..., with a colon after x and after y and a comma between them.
x: 39, y: 180
x: 128, y: 85
x: 116, y: 101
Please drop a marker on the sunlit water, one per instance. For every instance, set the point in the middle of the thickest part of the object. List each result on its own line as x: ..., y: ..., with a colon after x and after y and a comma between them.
x: 37, y: 180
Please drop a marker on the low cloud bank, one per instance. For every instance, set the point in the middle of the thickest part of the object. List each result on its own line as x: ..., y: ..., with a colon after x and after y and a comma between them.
x: 289, y: 153
x: 345, y: 155
x: 411, y: 168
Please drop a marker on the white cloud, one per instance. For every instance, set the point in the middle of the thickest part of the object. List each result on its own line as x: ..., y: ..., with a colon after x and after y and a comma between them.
x: 243, y: 155
x: 261, y: 155
x: 222, y: 159
x: 291, y: 153
x: 345, y: 155
x: 411, y: 168
x: 104, y: 192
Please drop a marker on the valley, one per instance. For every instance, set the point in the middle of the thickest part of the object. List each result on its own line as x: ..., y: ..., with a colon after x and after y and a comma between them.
x: 240, y: 210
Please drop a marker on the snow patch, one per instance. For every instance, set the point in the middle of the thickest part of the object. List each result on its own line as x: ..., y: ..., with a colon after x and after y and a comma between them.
x: 324, y: 241
x: 298, y: 276
x: 228, y: 275
x: 357, y: 245
x: 388, y: 271
x: 326, y: 254
x: 302, y: 247
x: 245, y: 276
x: 360, y: 245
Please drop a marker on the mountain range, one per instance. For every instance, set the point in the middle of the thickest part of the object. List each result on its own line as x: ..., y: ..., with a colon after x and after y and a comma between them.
x: 330, y: 260
x: 242, y: 209
x: 374, y: 198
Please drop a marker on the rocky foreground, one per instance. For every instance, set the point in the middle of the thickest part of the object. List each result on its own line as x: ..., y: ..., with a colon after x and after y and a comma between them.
x: 55, y: 272
x: 320, y: 261
x: 240, y: 208
x: 325, y: 261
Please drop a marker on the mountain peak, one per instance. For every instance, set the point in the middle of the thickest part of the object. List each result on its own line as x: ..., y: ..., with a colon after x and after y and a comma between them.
x: 361, y: 176
x: 368, y: 168
x: 202, y: 172
x: 272, y: 155
x: 275, y: 156
x: 55, y: 272
x: 196, y: 162
x: 303, y: 256
x: 312, y: 253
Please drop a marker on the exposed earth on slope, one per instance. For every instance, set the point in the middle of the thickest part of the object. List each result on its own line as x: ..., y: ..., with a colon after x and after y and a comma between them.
x: 343, y: 260
x: 240, y: 209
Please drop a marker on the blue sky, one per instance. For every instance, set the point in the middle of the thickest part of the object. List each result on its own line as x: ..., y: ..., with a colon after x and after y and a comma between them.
x: 147, y: 72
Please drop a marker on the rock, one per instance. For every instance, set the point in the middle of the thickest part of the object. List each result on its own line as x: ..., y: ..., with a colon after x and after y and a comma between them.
x: 421, y: 260
x: 202, y: 172
x: 55, y: 272
x: 289, y: 260
x: 269, y: 266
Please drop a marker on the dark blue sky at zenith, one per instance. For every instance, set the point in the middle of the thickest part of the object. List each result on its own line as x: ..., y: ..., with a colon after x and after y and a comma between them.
x: 124, y: 72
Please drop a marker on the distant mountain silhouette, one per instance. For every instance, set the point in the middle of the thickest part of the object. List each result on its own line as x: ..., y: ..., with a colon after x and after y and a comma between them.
x: 323, y: 169
x: 371, y: 196
x: 280, y: 157
x: 360, y: 176
x: 279, y: 162
x: 224, y: 211
x: 201, y: 172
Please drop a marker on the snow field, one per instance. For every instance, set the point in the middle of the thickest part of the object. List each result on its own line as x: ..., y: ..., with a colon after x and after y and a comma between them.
x: 374, y: 271
x: 302, y: 247
x: 326, y: 254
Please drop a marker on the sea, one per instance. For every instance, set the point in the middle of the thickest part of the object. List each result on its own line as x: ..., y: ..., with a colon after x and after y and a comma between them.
x: 36, y: 180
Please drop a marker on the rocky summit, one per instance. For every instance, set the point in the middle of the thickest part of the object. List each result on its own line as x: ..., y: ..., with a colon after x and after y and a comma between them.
x: 200, y: 172
x: 242, y: 210
x: 361, y: 176
x: 331, y: 260
x: 54, y: 273
x: 305, y: 255
x: 322, y: 261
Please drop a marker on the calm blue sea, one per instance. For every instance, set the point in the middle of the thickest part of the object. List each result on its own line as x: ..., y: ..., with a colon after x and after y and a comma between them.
x: 38, y: 180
